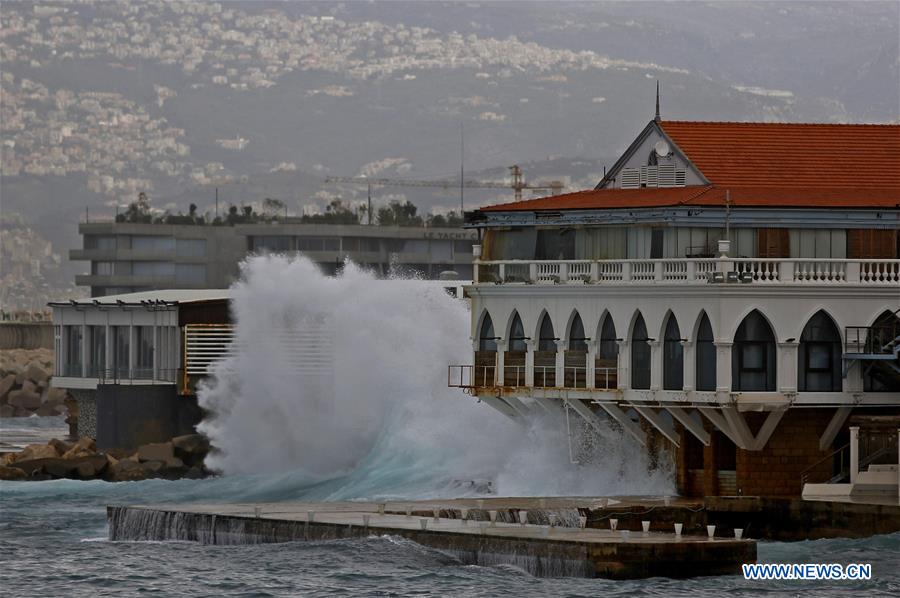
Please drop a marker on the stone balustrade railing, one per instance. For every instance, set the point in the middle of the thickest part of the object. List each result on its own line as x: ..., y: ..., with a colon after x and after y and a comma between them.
x: 690, y: 270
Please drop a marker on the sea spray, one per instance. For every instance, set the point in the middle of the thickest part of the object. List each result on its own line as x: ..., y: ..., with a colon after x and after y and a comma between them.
x: 344, y: 379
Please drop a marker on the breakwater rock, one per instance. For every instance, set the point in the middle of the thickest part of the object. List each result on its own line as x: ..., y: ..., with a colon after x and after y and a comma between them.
x: 26, y: 387
x: 181, y: 457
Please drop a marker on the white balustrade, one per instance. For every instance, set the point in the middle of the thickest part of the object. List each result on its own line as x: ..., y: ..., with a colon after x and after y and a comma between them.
x: 691, y: 270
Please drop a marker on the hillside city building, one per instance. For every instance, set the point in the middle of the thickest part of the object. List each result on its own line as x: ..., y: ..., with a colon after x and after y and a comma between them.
x: 730, y: 290
x: 135, y: 257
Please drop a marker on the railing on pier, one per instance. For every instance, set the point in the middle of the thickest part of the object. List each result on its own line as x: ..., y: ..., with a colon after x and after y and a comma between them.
x: 483, y: 376
x: 125, y: 375
x: 690, y: 270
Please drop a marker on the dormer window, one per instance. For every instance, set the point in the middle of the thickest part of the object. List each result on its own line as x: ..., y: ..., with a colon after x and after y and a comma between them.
x: 660, y: 176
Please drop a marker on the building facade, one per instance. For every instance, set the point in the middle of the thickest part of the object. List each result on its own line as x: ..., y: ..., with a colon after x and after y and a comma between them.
x: 729, y: 291
x: 134, y: 257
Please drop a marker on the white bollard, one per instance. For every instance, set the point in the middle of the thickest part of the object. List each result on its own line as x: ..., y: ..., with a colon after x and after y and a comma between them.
x: 552, y: 519
x: 464, y: 514
x: 381, y: 508
x: 523, y: 517
x: 366, y: 519
x: 711, y: 531
x: 738, y: 533
x: 582, y: 522
x: 678, y: 528
x: 310, y: 516
x: 408, y: 511
x: 423, y: 523
x: 613, y: 524
x: 437, y: 514
x: 645, y: 525
x: 493, y: 516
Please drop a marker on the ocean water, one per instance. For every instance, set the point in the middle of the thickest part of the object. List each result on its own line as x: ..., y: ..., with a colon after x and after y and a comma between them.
x: 367, y: 416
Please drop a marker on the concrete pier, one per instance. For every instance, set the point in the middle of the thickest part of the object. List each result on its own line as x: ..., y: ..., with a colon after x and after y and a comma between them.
x: 550, y: 543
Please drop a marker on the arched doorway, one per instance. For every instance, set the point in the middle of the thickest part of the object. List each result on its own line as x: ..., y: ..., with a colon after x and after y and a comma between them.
x: 705, y: 356
x: 819, y: 356
x: 486, y: 355
x: 576, y: 355
x: 640, y: 355
x: 673, y: 356
x: 606, y: 363
x: 545, y: 356
x: 753, y: 355
x: 517, y: 350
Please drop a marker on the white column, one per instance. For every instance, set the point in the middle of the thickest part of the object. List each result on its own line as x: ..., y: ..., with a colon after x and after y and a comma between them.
x: 623, y: 376
x: 656, y: 364
x: 854, y: 453
x: 501, y: 361
x: 529, y: 362
x: 84, y: 346
x: 561, y: 347
x: 690, y: 365
x: 723, y: 370
x: 589, y: 375
x: 786, y: 376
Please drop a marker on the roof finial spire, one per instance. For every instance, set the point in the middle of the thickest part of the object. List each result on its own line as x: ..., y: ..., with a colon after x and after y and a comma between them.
x: 657, y: 117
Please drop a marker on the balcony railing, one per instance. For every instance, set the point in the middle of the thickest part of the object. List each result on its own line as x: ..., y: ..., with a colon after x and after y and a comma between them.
x: 690, y: 270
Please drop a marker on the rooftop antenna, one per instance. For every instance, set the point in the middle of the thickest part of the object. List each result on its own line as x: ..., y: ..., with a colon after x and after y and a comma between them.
x: 462, y: 154
x: 657, y: 117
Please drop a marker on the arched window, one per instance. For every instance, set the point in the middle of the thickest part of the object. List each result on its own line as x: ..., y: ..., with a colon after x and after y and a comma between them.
x: 547, y: 341
x: 640, y: 355
x: 575, y: 360
x: 606, y: 364
x: 880, y: 338
x: 705, y: 356
x: 577, y: 340
x: 487, y: 340
x: 819, y: 356
x: 486, y: 356
x: 517, y: 334
x: 514, y: 359
x: 545, y: 356
x: 673, y: 356
x: 753, y: 355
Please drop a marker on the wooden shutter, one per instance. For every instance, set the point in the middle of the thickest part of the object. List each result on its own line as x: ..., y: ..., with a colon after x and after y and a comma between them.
x: 867, y: 243
x: 774, y: 242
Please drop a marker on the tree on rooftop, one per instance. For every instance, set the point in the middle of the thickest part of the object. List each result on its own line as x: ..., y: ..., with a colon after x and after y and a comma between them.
x: 398, y: 213
x: 137, y: 211
x: 450, y: 219
x: 335, y: 213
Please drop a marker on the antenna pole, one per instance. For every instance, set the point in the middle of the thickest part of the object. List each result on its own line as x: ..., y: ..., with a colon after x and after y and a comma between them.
x: 369, y: 208
x: 217, y: 202
x: 727, y: 214
x: 657, y: 117
x: 462, y: 172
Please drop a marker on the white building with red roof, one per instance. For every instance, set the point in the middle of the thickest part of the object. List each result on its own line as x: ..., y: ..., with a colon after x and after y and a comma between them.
x: 729, y: 291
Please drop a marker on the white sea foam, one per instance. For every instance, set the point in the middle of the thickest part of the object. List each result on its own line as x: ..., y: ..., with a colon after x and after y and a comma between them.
x: 343, y: 381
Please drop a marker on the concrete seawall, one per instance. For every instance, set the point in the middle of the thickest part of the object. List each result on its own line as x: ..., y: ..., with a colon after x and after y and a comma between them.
x: 541, y: 550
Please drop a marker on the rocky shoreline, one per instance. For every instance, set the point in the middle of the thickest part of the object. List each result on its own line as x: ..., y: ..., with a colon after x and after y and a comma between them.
x: 25, y: 385
x: 181, y: 457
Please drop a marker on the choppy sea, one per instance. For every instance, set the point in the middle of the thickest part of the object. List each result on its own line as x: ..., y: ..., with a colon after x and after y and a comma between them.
x: 53, y: 543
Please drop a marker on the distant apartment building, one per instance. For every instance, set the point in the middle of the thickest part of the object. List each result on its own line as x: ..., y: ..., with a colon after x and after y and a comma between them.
x: 133, y: 257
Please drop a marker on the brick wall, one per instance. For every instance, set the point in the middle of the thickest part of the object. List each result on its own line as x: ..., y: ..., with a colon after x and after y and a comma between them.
x: 793, y: 447
x: 774, y: 471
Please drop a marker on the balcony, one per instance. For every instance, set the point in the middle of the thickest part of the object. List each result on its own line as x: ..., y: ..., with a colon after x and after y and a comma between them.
x: 690, y: 271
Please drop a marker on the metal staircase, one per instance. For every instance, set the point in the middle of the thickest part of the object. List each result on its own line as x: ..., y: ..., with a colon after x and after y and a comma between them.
x: 876, y: 348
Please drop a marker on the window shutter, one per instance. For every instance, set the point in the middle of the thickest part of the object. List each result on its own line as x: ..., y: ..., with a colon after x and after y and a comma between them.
x: 865, y: 243
x: 774, y: 242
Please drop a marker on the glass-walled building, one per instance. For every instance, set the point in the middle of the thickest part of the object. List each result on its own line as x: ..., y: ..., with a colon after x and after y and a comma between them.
x: 132, y: 257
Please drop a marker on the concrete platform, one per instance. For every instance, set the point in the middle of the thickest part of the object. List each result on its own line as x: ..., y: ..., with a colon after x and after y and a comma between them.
x: 461, y: 528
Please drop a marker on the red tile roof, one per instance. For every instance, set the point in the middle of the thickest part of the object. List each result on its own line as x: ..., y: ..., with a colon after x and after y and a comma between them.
x: 709, y: 195
x: 791, y: 155
x: 764, y: 164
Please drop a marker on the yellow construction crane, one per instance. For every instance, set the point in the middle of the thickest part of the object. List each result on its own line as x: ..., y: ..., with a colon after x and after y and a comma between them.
x: 517, y: 184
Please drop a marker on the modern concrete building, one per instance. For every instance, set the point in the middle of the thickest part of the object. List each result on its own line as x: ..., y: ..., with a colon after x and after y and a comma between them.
x: 132, y: 257
x: 728, y: 290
